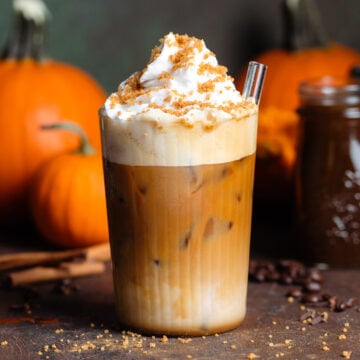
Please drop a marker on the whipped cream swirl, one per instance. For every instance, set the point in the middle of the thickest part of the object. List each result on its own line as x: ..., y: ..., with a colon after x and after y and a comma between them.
x: 181, y: 109
x: 182, y: 78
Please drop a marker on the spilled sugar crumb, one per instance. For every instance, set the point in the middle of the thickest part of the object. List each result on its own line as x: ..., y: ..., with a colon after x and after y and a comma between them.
x: 346, y: 354
x: 184, y: 341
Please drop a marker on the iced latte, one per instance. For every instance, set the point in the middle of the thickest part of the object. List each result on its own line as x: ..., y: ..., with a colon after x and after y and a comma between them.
x: 179, y: 150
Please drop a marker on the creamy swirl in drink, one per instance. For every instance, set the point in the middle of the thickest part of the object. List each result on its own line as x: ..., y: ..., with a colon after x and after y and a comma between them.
x: 179, y: 149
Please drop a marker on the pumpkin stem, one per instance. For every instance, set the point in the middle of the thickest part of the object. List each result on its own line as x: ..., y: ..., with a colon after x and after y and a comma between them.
x: 85, y: 148
x: 303, y: 25
x: 27, y: 39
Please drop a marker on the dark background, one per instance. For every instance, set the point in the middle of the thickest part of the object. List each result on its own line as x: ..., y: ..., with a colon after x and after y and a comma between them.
x: 111, y: 39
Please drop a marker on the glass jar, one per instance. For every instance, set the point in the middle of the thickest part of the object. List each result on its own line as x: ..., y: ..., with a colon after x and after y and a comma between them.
x: 328, y: 172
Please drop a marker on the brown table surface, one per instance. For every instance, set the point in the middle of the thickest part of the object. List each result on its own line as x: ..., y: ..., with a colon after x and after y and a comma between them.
x: 82, y: 324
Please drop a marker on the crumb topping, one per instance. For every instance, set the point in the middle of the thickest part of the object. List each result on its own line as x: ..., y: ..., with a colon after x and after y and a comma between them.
x: 165, y: 75
x: 186, y: 78
x: 206, y: 86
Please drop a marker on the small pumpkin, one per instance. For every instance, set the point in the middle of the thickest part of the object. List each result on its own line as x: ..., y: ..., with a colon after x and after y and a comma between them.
x: 35, y: 90
x: 307, y: 54
x: 67, y: 196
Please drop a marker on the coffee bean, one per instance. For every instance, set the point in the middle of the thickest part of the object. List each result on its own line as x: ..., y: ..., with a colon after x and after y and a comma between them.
x: 312, y: 287
x: 326, y: 296
x: 316, y: 275
x: 352, y: 302
x: 266, y: 265
x: 295, y: 293
x: 252, y: 267
x: 311, y: 298
x: 260, y: 275
x: 292, y: 272
x: 331, y: 302
x: 340, y: 306
x: 272, y: 276
x: 301, y: 281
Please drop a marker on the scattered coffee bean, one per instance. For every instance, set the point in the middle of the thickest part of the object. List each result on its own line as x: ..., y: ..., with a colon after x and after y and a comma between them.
x: 331, y: 302
x: 285, y: 272
x: 312, y: 287
x: 272, y: 276
x: 340, y: 306
x: 260, y: 275
x: 326, y: 296
x: 311, y: 298
x: 352, y: 302
x: 285, y: 279
x: 309, y: 280
x: 295, y: 293
x: 316, y: 275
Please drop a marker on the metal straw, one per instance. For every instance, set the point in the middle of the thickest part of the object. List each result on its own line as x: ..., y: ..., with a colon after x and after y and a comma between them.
x: 254, y: 81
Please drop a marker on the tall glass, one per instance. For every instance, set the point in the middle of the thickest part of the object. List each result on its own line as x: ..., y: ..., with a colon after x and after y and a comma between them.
x: 180, y: 235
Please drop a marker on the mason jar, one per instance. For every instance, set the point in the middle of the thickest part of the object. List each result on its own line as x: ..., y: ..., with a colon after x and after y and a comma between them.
x: 328, y: 172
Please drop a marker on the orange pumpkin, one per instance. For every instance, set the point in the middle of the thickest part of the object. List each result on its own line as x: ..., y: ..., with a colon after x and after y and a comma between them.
x: 36, y: 91
x: 308, y: 54
x: 67, y: 196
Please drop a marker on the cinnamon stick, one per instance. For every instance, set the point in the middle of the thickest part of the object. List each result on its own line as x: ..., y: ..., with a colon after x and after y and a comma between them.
x: 65, y: 270
x: 96, y: 252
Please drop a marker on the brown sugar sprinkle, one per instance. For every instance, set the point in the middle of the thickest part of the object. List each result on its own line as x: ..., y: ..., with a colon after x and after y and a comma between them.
x: 128, y: 95
x: 180, y: 58
x: 187, y: 45
x: 114, y: 99
x: 207, y: 86
x: 181, y: 103
x: 211, y: 69
x: 165, y: 75
x: 185, y: 123
x: 133, y: 89
x: 133, y: 82
x: 168, y: 110
x: 155, y: 52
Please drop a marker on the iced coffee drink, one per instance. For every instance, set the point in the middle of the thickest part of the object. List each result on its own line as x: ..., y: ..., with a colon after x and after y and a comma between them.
x: 179, y: 149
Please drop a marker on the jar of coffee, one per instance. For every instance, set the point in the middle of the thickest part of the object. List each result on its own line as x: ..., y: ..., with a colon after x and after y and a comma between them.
x: 328, y: 172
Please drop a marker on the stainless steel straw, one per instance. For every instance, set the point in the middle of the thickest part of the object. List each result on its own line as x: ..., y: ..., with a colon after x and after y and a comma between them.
x: 254, y: 81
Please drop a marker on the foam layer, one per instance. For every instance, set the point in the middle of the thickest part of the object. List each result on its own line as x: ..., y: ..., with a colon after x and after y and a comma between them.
x: 181, y: 109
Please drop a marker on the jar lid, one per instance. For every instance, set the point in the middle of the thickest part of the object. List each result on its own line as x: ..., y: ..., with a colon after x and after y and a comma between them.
x: 330, y: 91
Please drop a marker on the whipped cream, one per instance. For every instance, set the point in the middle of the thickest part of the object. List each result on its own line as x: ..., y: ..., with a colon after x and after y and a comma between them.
x: 181, y: 109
